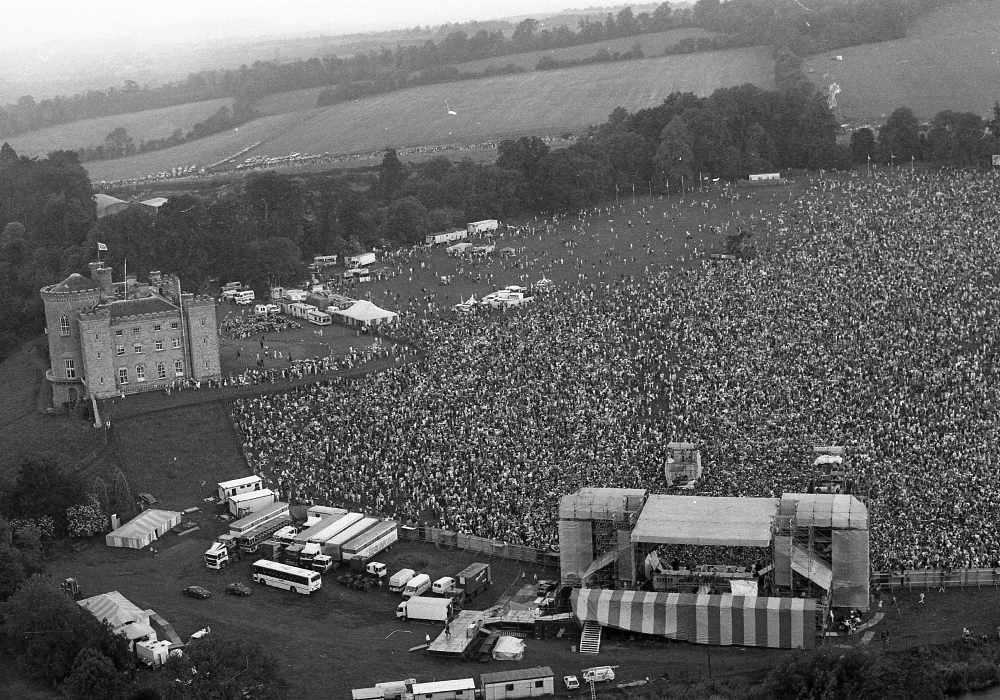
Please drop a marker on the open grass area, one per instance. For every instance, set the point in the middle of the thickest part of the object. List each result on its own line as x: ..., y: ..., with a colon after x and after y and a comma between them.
x: 949, y: 60
x: 545, y: 102
x: 141, y: 126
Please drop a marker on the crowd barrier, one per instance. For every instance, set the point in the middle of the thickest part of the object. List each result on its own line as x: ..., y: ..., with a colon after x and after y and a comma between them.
x: 481, y: 545
x: 910, y: 579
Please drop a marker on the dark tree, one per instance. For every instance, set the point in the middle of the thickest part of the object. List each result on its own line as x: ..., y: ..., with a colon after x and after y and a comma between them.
x: 899, y: 137
x: 862, y: 145
x: 391, y: 174
x: 44, y: 487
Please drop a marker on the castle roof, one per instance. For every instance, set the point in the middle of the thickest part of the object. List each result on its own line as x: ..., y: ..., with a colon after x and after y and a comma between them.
x: 75, y: 283
x: 136, y: 307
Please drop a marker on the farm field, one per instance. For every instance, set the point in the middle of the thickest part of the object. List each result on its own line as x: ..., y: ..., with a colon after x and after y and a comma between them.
x: 950, y: 60
x: 537, y: 103
x: 652, y: 45
x: 141, y: 126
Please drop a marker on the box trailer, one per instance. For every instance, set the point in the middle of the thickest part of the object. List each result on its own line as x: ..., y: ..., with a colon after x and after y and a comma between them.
x: 241, y: 485
x: 446, y: 237
x: 359, y: 260
x: 475, y: 578
x: 371, y: 542
x: 424, y: 608
x: 483, y: 226
x: 322, y: 511
x: 243, y: 504
x: 333, y: 545
x: 398, y: 581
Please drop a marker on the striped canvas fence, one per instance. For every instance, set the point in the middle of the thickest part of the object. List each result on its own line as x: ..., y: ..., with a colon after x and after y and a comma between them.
x: 780, y: 623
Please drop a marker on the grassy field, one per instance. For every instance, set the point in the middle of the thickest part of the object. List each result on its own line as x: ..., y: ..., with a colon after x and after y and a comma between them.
x: 949, y: 60
x: 151, y: 123
x: 547, y: 102
x: 652, y: 45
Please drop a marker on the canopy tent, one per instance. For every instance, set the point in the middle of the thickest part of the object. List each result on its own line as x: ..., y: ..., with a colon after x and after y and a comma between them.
x: 509, y: 649
x: 143, y: 529
x: 364, y: 313
x: 782, y: 623
x: 701, y: 520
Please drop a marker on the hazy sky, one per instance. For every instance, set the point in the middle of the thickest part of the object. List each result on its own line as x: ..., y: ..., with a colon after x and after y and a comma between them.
x: 29, y: 23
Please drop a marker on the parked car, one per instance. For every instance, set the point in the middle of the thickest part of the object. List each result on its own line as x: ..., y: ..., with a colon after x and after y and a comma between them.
x: 240, y: 589
x: 197, y: 592
x: 598, y: 674
x: 572, y: 682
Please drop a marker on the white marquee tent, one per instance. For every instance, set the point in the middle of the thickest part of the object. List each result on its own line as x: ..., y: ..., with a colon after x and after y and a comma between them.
x: 143, y: 529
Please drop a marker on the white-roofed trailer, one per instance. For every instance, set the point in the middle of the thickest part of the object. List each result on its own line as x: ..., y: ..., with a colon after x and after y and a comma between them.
x: 458, y: 689
x: 243, y: 504
x: 333, y: 545
x: 241, y: 485
x: 474, y: 227
x: 447, y: 237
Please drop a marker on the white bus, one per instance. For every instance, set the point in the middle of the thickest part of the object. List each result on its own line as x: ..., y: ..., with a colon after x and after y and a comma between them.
x: 291, y: 578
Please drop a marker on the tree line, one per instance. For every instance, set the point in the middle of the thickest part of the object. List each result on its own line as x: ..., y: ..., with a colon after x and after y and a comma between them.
x: 826, y: 24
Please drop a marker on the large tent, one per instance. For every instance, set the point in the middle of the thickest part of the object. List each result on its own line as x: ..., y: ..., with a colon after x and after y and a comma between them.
x: 363, y: 313
x: 143, y: 529
x: 696, y: 520
x: 781, y: 623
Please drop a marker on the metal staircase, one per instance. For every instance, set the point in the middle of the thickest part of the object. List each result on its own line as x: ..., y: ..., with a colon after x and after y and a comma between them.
x: 590, y: 638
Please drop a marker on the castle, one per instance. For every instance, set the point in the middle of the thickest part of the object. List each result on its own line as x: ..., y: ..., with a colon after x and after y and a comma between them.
x: 111, y: 338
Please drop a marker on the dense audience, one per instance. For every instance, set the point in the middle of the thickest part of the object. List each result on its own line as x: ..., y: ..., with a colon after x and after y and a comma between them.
x: 240, y: 326
x: 865, y: 320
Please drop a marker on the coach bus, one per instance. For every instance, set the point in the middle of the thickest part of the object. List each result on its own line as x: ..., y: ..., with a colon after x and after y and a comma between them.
x: 290, y: 578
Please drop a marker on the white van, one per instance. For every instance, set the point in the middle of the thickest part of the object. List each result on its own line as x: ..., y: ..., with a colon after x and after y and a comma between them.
x: 443, y: 585
x: 244, y: 296
x: 417, y: 585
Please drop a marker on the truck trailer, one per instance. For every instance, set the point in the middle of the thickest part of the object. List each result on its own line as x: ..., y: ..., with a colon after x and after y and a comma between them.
x: 483, y: 226
x: 475, y: 578
x: 333, y: 545
x: 424, y: 608
x: 369, y: 543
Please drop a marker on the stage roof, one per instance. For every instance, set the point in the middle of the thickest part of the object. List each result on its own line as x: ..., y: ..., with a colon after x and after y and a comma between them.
x: 593, y: 503
x: 703, y: 520
x: 840, y: 511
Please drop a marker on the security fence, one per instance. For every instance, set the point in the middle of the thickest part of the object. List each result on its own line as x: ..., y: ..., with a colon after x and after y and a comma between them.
x: 471, y: 543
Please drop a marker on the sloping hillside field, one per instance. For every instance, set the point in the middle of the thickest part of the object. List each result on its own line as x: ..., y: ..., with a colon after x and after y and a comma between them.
x: 141, y: 126
x: 545, y: 102
x: 949, y: 60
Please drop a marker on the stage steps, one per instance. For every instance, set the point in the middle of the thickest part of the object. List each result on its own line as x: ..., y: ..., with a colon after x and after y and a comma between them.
x: 590, y: 638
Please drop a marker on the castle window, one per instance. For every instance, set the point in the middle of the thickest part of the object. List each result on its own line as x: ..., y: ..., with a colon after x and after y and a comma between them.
x: 203, y: 322
x: 175, y: 342
x: 159, y: 344
x: 119, y: 333
x: 64, y: 325
x: 161, y: 370
x: 135, y: 331
x: 98, y: 354
x: 123, y: 375
x: 178, y: 368
x: 119, y: 349
x: 157, y: 326
x: 70, y: 369
x: 174, y: 325
x: 204, y: 340
x: 137, y: 348
x: 140, y: 373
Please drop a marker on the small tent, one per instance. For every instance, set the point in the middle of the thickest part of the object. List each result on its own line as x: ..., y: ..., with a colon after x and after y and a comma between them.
x: 509, y: 649
x: 363, y: 313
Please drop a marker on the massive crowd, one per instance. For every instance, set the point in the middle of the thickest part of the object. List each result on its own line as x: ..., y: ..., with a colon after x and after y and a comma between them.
x: 866, y: 319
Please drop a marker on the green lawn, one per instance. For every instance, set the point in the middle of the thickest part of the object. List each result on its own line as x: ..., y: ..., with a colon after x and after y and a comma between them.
x: 950, y: 60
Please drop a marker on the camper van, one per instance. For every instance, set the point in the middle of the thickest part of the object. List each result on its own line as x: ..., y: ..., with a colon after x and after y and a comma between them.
x: 443, y: 585
x: 244, y: 297
x: 417, y: 585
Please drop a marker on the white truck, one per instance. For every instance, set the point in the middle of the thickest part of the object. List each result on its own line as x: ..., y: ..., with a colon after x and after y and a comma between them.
x: 243, y: 504
x: 443, y: 585
x: 417, y: 585
x: 398, y: 581
x: 424, y: 608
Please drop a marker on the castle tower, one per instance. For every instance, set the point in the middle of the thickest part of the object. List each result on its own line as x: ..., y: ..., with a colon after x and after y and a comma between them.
x: 63, y: 304
x: 203, y: 336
